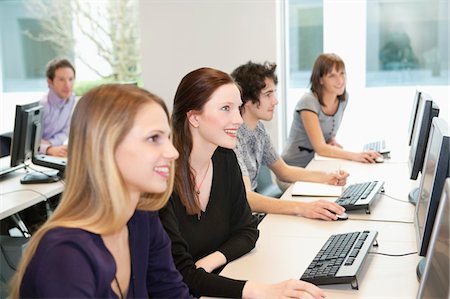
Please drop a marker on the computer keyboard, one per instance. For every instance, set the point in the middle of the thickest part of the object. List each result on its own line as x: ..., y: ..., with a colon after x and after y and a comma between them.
x: 340, y: 259
x: 377, y: 146
x: 360, y: 195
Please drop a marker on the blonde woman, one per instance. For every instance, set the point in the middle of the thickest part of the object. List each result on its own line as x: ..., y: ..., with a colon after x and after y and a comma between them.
x: 105, y: 239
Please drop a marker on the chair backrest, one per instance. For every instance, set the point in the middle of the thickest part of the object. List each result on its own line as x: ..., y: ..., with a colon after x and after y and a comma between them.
x: 266, y: 186
x: 5, y: 144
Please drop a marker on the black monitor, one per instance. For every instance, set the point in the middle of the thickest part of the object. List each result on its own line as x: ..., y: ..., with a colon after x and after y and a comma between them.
x: 22, y: 140
x: 435, y: 279
x: 435, y: 171
x: 427, y: 110
x: 413, y: 117
x: 26, y: 140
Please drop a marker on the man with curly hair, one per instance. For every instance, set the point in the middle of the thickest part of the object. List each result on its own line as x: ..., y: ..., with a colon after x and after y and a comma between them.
x: 254, y: 148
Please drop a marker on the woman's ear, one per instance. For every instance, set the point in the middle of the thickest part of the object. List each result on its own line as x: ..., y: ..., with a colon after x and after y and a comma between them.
x: 193, y: 118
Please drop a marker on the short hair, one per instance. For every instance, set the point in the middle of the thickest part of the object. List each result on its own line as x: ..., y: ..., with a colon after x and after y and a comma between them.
x: 193, y: 92
x: 95, y: 195
x: 251, y: 78
x: 55, y: 64
x: 324, y: 65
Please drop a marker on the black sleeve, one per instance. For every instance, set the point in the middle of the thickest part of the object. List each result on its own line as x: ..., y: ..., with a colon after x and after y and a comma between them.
x: 244, y: 232
x: 200, y: 282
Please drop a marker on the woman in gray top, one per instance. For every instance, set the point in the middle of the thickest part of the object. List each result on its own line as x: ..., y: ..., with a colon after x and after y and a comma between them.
x: 318, y: 115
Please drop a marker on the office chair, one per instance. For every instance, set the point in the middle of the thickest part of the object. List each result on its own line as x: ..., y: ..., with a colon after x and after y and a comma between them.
x: 5, y: 144
x: 266, y: 186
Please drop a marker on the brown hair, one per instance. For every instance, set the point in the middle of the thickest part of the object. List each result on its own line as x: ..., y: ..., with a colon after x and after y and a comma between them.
x: 102, y: 118
x: 324, y: 65
x: 55, y: 64
x: 193, y: 92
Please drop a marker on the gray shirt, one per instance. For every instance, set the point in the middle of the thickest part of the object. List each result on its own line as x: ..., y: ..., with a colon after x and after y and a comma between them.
x: 254, y: 148
x: 298, y: 150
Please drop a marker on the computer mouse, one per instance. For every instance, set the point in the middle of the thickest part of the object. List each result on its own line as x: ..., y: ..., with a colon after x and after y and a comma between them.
x: 342, y: 216
x: 379, y: 159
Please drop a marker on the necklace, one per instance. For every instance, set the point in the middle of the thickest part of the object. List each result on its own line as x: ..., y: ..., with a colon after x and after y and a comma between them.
x: 133, y: 287
x: 118, y: 286
x: 203, y: 179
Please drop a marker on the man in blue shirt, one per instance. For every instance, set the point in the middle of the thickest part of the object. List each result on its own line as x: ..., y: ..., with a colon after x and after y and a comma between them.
x: 58, y: 105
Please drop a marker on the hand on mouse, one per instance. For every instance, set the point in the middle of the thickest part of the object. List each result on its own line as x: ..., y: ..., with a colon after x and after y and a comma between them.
x: 366, y: 156
x: 321, y: 209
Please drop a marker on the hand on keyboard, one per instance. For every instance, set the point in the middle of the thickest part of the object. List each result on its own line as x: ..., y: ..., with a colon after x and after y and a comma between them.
x: 291, y: 288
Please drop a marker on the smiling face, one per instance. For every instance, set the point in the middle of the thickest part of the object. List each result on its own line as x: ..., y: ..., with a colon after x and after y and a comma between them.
x: 219, y: 120
x: 62, y: 83
x: 334, y: 82
x: 267, y: 101
x: 145, y: 154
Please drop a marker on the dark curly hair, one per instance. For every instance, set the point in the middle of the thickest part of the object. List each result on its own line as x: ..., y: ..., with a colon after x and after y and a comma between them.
x: 251, y: 78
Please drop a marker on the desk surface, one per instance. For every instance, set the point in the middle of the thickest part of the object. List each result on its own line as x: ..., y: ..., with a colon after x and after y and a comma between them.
x: 288, y: 244
x: 15, y: 197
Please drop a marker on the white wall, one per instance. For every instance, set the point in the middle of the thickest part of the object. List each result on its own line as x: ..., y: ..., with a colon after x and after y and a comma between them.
x: 181, y: 36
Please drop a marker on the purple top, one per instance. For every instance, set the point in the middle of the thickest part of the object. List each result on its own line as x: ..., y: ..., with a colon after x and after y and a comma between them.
x: 74, y: 263
x: 57, y: 114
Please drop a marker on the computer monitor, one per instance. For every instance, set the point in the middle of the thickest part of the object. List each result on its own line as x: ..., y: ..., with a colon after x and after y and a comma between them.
x: 413, y: 117
x: 22, y: 144
x: 435, y: 171
x: 26, y: 140
x: 435, y: 279
x: 426, y: 111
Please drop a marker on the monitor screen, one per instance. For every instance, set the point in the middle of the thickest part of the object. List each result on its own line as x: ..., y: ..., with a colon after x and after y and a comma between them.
x: 25, y: 142
x: 412, y: 119
x: 435, y: 171
x: 23, y: 139
x: 426, y: 111
x: 435, y: 279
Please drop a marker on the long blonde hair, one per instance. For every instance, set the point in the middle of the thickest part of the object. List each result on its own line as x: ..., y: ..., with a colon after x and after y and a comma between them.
x: 95, y: 195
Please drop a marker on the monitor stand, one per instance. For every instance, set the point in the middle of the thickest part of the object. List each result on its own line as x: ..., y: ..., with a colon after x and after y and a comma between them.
x: 413, y: 196
x: 39, y: 178
x: 420, y: 268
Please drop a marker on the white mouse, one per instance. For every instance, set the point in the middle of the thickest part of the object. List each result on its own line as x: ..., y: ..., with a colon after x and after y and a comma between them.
x: 379, y: 159
x: 342, y: 216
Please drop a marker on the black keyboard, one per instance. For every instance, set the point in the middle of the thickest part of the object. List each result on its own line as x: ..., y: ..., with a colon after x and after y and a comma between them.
x: 377, y: 146
x: 340, y: 259
x: 360, y: 195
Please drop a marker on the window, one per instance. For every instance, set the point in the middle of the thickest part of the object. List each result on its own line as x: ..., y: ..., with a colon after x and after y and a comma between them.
x: 305, y: 39
x: 23, y: 60
x: 407, y: 42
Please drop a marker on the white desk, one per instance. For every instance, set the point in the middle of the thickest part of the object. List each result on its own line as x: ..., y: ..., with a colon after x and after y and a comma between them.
x: 15, y: 197
x: 396, y: 184
x: 288, y: 244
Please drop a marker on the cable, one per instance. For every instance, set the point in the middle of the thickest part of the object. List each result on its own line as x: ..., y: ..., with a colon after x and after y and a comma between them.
x: 395, y: 255
x: 405, y: 201
x: 20, y: 190
x: 381, y: 220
